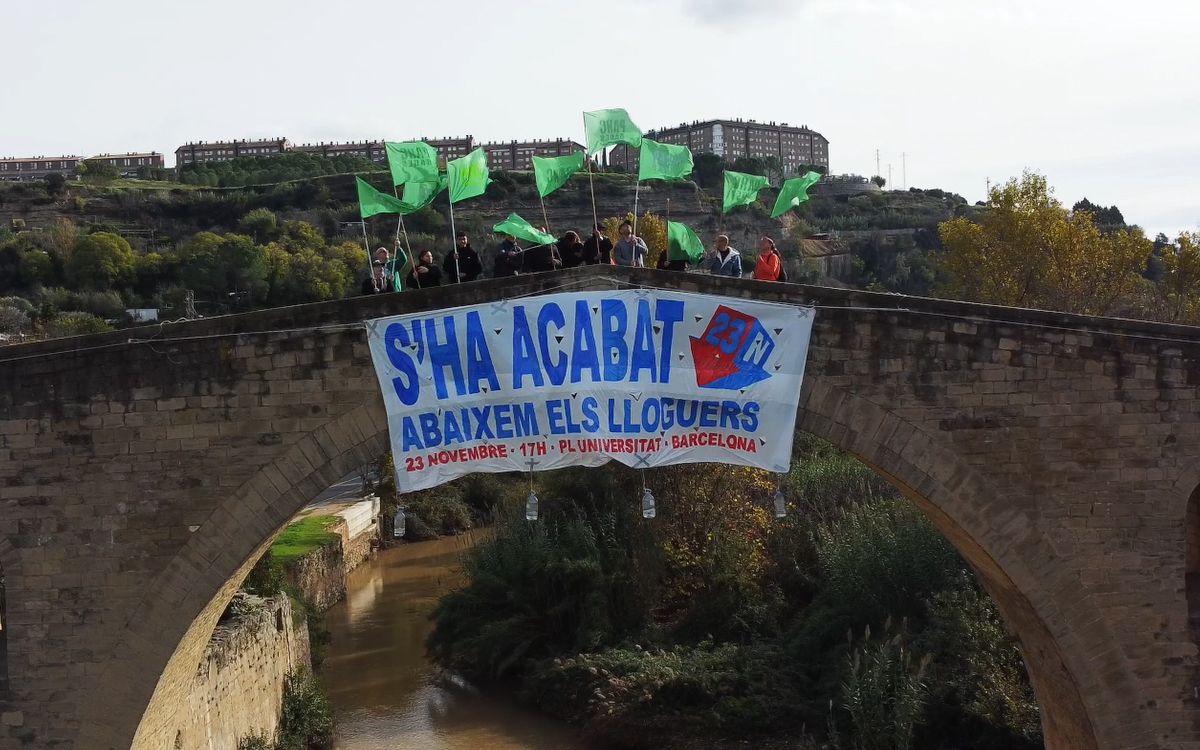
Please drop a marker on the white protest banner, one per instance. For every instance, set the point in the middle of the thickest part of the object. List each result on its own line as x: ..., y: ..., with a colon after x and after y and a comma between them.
x: 645, y: 377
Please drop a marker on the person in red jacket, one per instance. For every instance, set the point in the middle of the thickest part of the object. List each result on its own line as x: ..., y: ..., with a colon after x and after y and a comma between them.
x: 769, y: 266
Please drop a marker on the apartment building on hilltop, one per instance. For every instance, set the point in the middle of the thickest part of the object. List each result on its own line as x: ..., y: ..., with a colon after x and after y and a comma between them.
x: 213, y: 151
x: 130, y: 164
x: 794, y: 146
x: 518, y: 155
x: 373, y: 150
x: 14, y: 168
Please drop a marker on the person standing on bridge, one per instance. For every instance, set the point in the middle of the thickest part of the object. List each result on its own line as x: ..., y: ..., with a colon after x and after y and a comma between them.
x: 570, y: 249
x: 598, y: 248
x: 509, y: 257
x: 630, y: 250
x: 769, y: 266
x: 725, y: 261
x: 426, y: 273
x: 462, y: 264
x: 376, y: 282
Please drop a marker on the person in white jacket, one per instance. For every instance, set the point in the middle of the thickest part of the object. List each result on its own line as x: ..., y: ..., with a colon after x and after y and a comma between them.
x: 725, y: 261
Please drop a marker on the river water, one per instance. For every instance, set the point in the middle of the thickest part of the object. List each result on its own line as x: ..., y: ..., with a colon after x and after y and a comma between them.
x: 385, y: 693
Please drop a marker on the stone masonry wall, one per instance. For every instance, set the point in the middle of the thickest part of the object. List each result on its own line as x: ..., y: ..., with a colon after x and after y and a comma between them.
x: 238, y: 688
x: 139, y: 480
x: 320, y: 576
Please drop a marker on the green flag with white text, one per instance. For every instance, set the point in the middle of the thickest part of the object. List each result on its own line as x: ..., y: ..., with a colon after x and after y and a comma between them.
x: 372, y: 202
x: 794, y: 192
x: 551, y: 172
x: 741, y: 189
x: 414, y: 161
x: 663, y: 161
x: 683, y: 244
x: 418, y: 195
x: 521, y: 229
x: 608, y: 127
x: 467, y: 176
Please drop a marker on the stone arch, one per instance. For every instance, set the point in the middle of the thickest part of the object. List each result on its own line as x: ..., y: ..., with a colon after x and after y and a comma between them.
x: 1065, y: 641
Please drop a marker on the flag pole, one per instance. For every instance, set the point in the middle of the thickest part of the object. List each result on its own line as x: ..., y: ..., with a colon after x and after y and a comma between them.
x: 367, y: 245
x: 454, y: 243
x: 400, y: 225
x: 587, y: 156
x: 637, y: 185
x: 545, y: 218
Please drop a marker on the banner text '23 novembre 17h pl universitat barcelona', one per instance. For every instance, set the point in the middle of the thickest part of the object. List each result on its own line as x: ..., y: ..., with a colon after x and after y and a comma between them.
x: 646, y: 377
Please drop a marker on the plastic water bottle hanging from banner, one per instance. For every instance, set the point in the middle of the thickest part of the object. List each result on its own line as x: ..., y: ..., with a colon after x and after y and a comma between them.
x: 648, y: 509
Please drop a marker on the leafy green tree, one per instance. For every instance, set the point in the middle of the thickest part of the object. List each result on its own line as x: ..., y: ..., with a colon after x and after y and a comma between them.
x: 99, y: 172
x: 55, y: 184
x: 214, y: 266
x: 99, y: 261
x: 707, y: 171
x: 37, y: 268
x: 880, y: 181
x: 1027, y: 250
x: 150, y: 270
x: 261, y: 224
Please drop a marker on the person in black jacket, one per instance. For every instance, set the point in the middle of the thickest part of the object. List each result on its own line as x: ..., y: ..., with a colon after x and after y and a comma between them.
x: 598, y: 248
x: 570, y: 249
x: 425, y: 273
x: 376, y: 282
x: 541, y: 258
x: 509, y: 257
x: 469, y: 266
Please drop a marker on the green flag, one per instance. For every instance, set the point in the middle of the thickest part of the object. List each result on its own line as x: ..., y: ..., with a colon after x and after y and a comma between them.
x: 683, y: 244
x: 521, y: 229
x: 608, y: 127
x: 418, y: 195
x: 414, y: 161
x: 371, y: 201
x: 551, y: 172
x: 741, y: 189
x: 794, y: 192
x: 663, y: 161
x: 468, y: 175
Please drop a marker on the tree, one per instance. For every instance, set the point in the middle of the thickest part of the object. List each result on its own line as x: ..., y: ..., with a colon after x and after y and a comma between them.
x: 879, y: 181
x: 260, y: 224
x: 214, y: 266
x: 37, y: 268
x: 100, y: 260
x: 706, y: 171
x: 55, y: 184
x: 1028, y: 251
x: 1180, y: 285
x: 99, y: 172
x: 12, y: 318
x: 1108, y: 217
x: 650, y: 228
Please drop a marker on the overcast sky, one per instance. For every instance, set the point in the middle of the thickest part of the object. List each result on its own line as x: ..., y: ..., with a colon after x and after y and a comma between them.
x: 1103, y: 97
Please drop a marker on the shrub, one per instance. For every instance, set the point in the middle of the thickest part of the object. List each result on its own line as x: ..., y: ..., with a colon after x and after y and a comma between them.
x: 883, y: 693
x: 306, y: 718
x: 75, y: 324
x: 266, y: 578
x: 537, y: 589
x: 255, y: 741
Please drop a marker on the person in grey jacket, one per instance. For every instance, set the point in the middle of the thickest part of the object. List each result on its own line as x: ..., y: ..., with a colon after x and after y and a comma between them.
x: 725, y: 261
x: 630, y: 250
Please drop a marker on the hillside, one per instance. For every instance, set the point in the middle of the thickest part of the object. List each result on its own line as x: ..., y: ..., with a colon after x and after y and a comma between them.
x: 158, y: 216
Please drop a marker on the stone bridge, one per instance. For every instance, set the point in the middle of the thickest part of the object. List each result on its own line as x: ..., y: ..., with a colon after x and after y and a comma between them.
x: 142, y: 472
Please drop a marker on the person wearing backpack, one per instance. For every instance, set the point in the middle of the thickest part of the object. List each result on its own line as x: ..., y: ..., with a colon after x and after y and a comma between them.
x: 770, y: 265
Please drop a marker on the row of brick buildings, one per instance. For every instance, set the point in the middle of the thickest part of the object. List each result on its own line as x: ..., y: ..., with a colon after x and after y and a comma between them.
x: 793, y: 146
x: 41, y: 167
x: 501, y: 155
